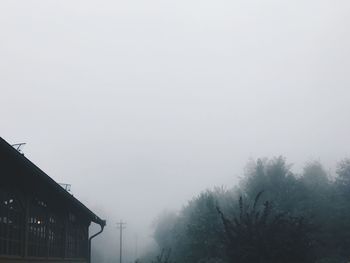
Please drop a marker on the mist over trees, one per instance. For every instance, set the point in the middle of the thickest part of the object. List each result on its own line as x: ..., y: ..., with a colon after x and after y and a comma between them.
x: 273, y: 215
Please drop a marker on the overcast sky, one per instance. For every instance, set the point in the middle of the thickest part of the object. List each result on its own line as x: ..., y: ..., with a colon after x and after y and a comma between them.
x: 140, y: 105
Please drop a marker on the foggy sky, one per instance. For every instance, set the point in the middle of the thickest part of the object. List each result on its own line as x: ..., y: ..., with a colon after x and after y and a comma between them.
x: 140, y: 105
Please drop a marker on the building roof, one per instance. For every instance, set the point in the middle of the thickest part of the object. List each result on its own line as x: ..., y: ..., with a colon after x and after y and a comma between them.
x: 7, y: 152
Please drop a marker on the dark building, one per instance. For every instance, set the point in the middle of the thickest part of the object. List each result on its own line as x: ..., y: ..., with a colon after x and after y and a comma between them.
x: 39, y: 220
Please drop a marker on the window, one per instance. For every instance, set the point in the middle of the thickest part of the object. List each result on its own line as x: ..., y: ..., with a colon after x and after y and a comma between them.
x: 37, y: 226
x: 11, y: 224
x: 72, y: 236
x: 77, y: 239
x: 82, y: 241
x: 56, y: 233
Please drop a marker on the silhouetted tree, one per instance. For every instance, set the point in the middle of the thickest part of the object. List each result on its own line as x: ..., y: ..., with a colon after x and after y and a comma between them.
x: 163, y: 257
x: 258, y: 234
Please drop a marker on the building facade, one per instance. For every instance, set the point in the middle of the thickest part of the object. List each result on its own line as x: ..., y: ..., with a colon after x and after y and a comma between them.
x: 39, y: 220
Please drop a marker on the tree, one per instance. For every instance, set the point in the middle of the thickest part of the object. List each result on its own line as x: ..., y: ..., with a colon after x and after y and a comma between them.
x: 259, y: 234
x: 343, y: 172
x: 275, y: 178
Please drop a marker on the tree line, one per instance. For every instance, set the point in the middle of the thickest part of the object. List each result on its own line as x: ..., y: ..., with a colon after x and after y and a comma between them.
x: 272, y: 216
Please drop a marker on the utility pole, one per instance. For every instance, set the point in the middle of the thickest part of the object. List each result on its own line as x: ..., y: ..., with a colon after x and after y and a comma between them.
x: 136, y: 247
x: 121, y: 226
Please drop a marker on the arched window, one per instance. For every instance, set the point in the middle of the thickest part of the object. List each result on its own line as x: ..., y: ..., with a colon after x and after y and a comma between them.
x: 11, y: 223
